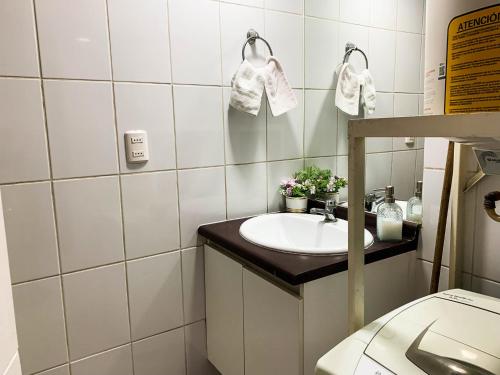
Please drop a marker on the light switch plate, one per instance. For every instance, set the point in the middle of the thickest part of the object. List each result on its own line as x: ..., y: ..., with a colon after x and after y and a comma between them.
x: 136, y: 146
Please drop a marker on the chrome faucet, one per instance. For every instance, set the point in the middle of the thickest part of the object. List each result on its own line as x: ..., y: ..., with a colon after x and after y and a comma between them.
x: 328, y: 211
x: 373, y: 199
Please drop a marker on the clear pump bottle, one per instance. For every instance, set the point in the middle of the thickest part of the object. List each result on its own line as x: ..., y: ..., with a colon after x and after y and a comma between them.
x: 389, y: 218
x: 414, y: 207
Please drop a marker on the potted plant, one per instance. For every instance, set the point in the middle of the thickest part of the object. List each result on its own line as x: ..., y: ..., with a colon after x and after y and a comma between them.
x: 295, y: 193
x: 333, y: 187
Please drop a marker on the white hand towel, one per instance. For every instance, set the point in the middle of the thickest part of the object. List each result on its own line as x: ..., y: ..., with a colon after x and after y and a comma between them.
x: 348, y: 88
x: 247, y: 88
x: 249, y: 82
x: 279, y: 93
x: 368, y: 93
x: 351, y: 87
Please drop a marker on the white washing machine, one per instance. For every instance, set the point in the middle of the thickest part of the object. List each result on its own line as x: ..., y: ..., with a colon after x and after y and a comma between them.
x: 454, y: 332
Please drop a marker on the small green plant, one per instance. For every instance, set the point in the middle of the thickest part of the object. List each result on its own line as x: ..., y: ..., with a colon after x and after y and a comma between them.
x: 292, y: 188
x: 310, y: 181
x: 335, y: 183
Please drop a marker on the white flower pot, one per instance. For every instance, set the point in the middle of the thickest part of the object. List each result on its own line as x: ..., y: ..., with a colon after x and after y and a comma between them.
x: 296, y: 204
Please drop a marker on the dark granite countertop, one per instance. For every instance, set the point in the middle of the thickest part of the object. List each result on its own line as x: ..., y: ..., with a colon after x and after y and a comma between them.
x: 296, y: 268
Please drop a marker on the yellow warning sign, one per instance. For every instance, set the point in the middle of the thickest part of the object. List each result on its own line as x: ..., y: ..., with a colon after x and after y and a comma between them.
x: 473, y: 62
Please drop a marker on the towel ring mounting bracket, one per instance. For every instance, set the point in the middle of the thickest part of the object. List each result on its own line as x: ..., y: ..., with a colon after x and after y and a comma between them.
x: 252, y: 36
x: 350, y: 48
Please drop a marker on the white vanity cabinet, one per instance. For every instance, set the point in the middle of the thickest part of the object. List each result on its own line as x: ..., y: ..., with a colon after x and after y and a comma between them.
x: 254, y: 327
x: 224, y: 312
x: 257, y: 325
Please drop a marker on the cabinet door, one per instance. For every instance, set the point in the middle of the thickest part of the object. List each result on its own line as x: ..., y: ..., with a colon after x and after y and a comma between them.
x: 273, y: 328
x: 224, y: 312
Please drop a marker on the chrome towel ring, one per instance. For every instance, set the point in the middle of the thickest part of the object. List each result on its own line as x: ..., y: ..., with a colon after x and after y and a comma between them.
x: 252, y: 36
x: 350, y: 48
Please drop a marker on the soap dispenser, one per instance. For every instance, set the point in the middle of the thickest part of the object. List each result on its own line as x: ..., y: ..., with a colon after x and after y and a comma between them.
x: 414, y: 206
x: 389, y: 218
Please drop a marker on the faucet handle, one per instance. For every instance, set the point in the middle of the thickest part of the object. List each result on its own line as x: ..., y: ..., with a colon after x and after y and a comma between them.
x: 330, y: 204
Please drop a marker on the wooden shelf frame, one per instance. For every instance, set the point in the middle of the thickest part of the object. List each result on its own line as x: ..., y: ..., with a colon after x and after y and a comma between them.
x: 463, y: 126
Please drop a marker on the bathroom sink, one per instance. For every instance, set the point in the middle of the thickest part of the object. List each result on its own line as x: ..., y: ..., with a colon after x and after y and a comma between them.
x: 299, y: 233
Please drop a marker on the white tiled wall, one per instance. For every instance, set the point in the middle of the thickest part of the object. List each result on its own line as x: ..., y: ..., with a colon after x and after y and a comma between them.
x: 481, y: 237
x: 107, y: 275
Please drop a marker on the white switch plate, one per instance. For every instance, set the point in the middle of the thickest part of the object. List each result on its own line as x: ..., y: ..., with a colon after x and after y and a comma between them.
x: 136, y: 146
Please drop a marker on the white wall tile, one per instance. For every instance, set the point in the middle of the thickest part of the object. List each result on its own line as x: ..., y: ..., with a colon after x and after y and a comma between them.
x: 147, y: 107
x: 235, y: 22
x: 23, y: 148
x: 285, y: 133
x: 405, y: 105
x: 378, y: 170
x: 410, y: 15
x: 40, y: 324
x: 383, y: 14
x: 61, y: 370
x: 382, y: 58
x: 435, y: 153
x: 423, y: 274
x: 403, y: 174
x: 116, y: 361
x: 246, y: 190
x: 255, y: 3
x: 244, y: 134
x: 198, y: 126
x: 73, y: 39
x: 431, y: 199
x: 292, y: 6
x: 384, y: 108
x: 81, y: 128
x: 202, y: 199
x: 325, y: 163
x: 152, y: 358
x: 322, y: 9
x: 9, y: 356
x: 359, y: 35
x: 196, y: 350
x: 276, y: 172
x: 321, y: 53
x: 150, y: 213
x: 355, y: 11
x: 484, y: 286
x: 18, y: 40
x: 96, y: 310
x: 195, y: 42
x: 342, y: 141
x: 320, y: 134
x: 155, y: 294
x: 407, y: 76
x: 285, y: 32
x: 28, y: 209
x: 193, y: 284
x: 89, y: 222
x: 487, y: 237
x: 139, y: 40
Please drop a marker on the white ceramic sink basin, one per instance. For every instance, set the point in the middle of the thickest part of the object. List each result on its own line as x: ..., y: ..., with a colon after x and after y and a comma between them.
x: 299, y: 233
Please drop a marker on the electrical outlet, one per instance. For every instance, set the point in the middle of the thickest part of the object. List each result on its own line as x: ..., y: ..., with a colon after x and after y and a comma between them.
x: 136, y: 146
x: 135, y: 140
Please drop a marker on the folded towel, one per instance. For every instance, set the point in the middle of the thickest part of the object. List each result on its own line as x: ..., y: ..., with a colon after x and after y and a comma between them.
x: 352, y: 86
x: 249, y: 82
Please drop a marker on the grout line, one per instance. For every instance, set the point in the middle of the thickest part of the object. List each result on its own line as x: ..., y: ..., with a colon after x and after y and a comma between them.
x: 52, y: 192
x: 179, y: 227
x: 120, y: 185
